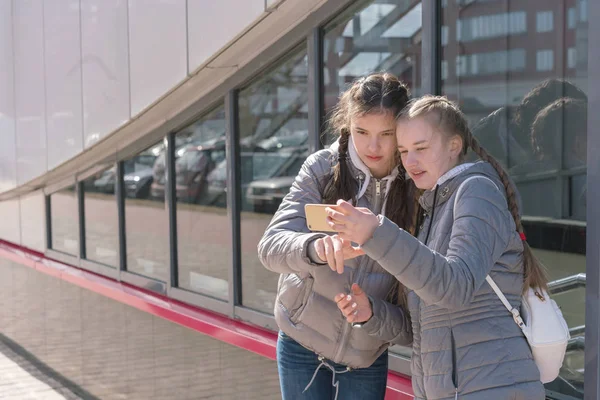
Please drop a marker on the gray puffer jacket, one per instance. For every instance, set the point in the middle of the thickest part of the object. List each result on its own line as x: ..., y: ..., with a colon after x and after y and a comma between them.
x: 466, y: 345
x: 305, y: 308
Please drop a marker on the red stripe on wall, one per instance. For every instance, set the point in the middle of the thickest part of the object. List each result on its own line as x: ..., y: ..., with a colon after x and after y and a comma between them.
x: 240, y: 334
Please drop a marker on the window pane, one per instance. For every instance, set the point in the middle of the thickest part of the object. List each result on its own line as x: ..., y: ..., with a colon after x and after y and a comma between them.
x: 274, y: 144
x: 376, y: 37
x: 101, y: 218
x: 545, y: 21
x: 203, y: 228
x: 64, y: 216
x: 146, y: 217
x: 532, y: 117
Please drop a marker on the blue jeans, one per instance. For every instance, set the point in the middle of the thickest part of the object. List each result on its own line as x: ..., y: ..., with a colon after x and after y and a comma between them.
x: 297, y: 364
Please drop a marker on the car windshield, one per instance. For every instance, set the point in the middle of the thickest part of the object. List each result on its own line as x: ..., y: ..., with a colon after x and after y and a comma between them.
x: 277, y: 142
x: 258, y: 166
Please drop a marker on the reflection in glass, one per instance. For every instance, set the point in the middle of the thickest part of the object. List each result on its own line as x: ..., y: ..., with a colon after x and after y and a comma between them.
x: 527, y: 106
x: 101, y: 218
x: 274, y: 144
x: 203, y: 228
x: 146, y: 217
x: 379, y: 37
x: 64, y: 216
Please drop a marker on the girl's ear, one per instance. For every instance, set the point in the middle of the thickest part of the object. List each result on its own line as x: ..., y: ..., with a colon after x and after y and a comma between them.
x: 456, y: 145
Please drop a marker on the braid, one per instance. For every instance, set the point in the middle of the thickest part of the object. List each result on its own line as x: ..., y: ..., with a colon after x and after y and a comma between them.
x: 535, y: 275
x: 342, y: 186
x: 402, y: 194
x: 513, y: 206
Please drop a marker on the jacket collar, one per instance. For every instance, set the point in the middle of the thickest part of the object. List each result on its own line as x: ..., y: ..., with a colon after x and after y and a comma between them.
x: 446, y: 185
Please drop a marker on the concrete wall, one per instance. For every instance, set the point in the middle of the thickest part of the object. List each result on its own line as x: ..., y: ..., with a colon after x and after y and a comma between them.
x: 73, y: 71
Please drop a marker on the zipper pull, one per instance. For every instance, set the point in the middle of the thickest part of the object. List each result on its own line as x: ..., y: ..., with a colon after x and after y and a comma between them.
x: 455, y: 393
x: 378, y: 187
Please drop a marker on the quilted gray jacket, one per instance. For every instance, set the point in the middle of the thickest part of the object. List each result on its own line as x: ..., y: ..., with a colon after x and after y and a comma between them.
x: 305, y: 308
x: 466, y: 345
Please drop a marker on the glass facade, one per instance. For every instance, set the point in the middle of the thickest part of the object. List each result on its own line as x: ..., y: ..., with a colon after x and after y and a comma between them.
x: 518, y: 70
x: 530, y: 112
x: 146, y: 218
x: 65, y: 221
x: 203, y: 228
x: 273, y: 120
x: 101, y: 218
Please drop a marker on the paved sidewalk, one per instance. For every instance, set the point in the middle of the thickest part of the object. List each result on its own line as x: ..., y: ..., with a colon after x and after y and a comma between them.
x: 21, y: 379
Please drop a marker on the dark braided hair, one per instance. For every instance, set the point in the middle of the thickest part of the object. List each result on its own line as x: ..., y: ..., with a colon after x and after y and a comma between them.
x: 445, y: 114
x: 378, y: 93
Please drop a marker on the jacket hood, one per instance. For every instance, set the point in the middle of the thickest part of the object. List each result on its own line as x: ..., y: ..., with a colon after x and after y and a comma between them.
x: 362, y: 173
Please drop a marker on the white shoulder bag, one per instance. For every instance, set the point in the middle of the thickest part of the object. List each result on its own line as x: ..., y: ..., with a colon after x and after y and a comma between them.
x: 540, y: 319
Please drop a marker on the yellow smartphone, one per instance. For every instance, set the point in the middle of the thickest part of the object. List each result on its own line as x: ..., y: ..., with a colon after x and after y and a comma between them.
x: 316, y: 217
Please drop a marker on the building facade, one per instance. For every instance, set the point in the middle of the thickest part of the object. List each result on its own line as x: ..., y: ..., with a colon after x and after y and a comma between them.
x: 145, y: 145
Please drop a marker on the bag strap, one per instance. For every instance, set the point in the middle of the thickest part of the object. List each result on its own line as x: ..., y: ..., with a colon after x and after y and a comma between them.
x: 515, y: 313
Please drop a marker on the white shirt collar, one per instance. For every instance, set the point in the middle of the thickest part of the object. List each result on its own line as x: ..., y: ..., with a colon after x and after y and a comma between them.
x: 453, y: 172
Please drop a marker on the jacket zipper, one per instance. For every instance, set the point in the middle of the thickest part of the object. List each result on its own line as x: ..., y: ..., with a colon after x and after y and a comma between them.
x: 454, y: 373
x: 347, y: 327
x: 377, y: 203
x: 431, y: 216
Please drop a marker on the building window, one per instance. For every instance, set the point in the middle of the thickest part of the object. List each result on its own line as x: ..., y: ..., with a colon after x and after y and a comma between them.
x: 545, y: 60
x: 534, y: 122
x: 101, y: 218
x: 444, y: 71
x: 545, y: 21
x: 490, y: 63
x: 64, y: 214
x: 571, y: 57
x: 273, y: 113
x: 572, y: 18
x: 146, y: 217
x: 491, y: 26
x: 203, y: 228
x: 583, y: 10
x: 394, y: 45
x: 444, y: 34
x: 461, y: 65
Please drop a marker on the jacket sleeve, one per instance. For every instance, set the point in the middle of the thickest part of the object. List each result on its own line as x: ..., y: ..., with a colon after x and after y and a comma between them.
x: 389, y: 323
x: 480, y: 233
x: 284, y: 247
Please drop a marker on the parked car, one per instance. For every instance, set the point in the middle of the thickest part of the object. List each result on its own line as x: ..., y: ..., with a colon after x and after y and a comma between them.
x: 277, y: 142
x: 259, y: 170
x: 137, y: 184
x: 106, y: 182
x: 193, y: 163
x: 266, y: 195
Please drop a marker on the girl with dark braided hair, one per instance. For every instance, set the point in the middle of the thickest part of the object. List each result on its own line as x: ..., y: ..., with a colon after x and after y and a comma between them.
x: 466, y: 344
x: 322, y: 353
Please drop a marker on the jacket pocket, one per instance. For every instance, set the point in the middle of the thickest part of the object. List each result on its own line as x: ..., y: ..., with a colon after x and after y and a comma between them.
x: 296, y: 314
x: 454, y: 369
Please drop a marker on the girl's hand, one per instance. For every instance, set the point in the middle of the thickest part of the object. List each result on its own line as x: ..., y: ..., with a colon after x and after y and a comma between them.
x: 355, y: 224
x: 356, y: 306
x: 334, y: 250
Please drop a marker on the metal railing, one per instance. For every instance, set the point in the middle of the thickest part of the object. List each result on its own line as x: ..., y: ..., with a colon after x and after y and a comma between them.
x: 577, y: 341
x: 567, y: 284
